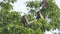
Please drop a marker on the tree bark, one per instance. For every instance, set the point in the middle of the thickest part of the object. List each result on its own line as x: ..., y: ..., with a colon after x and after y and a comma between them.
x: 41, y: 15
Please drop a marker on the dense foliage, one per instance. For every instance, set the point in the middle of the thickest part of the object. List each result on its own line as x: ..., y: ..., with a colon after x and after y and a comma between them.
x: 10, y: 22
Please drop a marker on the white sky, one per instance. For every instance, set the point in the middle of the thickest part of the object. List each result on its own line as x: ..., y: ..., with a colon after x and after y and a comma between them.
x: 20, y: 5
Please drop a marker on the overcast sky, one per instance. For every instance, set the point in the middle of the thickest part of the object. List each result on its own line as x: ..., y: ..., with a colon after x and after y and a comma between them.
x: 20, y: 5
